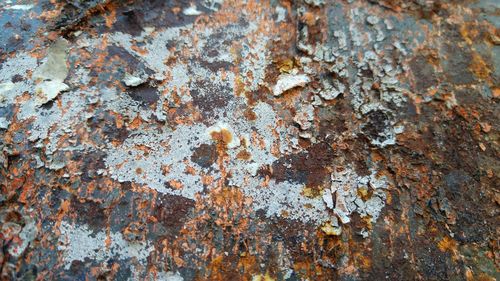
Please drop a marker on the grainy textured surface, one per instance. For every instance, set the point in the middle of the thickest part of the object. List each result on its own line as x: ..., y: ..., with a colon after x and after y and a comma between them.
x: 244, y: 140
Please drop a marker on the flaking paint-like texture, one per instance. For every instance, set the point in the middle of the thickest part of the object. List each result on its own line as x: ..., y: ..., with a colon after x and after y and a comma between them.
x: 249, y: 140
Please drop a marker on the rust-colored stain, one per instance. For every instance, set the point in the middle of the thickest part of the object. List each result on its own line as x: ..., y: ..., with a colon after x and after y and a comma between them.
x: 249, y: 140
x: 222, y: 137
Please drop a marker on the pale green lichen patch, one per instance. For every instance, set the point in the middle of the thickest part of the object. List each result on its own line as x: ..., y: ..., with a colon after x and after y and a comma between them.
x: 78, y: 242
x: 52, y: 73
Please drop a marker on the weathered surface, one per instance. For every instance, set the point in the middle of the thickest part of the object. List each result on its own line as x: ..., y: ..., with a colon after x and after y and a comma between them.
x: 244, y: 140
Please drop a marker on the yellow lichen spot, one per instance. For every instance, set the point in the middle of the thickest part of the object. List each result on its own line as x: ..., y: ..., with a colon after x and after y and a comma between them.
x: 468, y: 33
x: 239, y: 86
x: 368, y: 220
x: 308, y: 206
x: 479, y: 67
x: 447, y: 244
x: 285, y: 66
x: 363, y: 261
x: 261, y: 277
x: 363, y: 193
x: 285, y: 214
x: 329, y: 229
x: 310, y: 192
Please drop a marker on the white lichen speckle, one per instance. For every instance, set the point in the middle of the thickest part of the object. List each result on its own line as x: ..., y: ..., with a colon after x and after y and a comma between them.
x: 191, y: 11
x: 19, y: 7
x: 134, y: 80
x: 289, y: 81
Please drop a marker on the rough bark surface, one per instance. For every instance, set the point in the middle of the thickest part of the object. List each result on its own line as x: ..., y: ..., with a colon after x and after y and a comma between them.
x: 249, y: 140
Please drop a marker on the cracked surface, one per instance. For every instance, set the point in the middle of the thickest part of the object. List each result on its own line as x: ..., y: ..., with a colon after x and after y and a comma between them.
x: 249, y: 140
